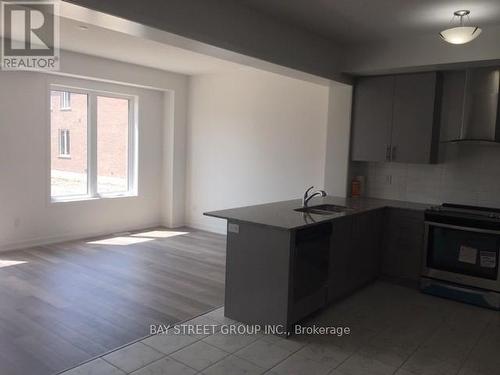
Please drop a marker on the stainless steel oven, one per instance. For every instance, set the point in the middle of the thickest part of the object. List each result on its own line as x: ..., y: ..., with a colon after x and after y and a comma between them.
x: 461, y: 254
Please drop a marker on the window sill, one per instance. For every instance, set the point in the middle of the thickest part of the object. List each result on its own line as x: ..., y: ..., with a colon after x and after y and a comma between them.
x: 117, y: 195
x: 86, y: 198
x: 64, y: 156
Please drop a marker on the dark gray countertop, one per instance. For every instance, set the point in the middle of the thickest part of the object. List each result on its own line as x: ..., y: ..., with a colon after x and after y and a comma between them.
x: 281, y: 215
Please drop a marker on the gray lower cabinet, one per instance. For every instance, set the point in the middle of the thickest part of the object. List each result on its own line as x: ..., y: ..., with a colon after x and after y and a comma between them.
x: 276, y: 277
x: 279, y: 277
x: 354, y: 252
x: 396, y: 118
x: 258, y: 264
x: 341, y: 279
x: 403, y: 244
x: 367, y: 238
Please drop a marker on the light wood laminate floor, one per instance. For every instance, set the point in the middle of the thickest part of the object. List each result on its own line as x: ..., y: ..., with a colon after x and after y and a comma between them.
x: 63, y: 304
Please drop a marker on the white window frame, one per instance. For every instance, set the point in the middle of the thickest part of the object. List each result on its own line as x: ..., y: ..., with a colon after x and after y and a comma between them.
x: 64, y: 152
x: 132, y: 171
x: 65, y: 101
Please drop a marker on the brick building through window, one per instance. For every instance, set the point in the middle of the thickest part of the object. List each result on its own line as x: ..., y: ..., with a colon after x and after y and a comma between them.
x: 70, y: 143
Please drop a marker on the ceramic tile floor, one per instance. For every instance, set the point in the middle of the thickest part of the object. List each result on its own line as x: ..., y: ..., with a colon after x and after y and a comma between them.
x: 394, y: 330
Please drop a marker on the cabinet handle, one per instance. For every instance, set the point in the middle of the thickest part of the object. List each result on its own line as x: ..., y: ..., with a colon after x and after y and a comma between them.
x: 393, y: 153
x: 388, y: 153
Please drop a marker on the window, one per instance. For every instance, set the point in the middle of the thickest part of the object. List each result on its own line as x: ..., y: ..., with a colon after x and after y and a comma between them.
x: 93, y: 149
x: 112, y: 144
x: 64, y: 143
x: 69, y: 176
x: 65, y: 103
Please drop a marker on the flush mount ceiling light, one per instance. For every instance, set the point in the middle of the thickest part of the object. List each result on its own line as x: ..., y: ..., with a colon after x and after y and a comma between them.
x: 460, y: 34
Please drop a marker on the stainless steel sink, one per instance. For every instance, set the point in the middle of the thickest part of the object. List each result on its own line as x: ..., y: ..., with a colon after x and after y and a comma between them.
x: 323, y: 209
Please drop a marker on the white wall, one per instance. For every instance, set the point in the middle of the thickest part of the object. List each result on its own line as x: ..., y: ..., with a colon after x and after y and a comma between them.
x: 174, y: 158
x: 253, y: 137
x: 174, y: 89
x: 26, y: 215
x: 338, y: 139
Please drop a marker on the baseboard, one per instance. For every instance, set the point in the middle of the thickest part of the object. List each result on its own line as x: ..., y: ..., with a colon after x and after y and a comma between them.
x: 41, y: 241
x: 401, y: 281
x: 214, y: 228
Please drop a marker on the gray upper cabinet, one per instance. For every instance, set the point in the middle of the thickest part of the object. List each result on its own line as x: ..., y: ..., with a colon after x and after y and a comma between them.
x: 453, y: 100
x: 415, y: 134
x: 396, y: 118
x: 372, y: 118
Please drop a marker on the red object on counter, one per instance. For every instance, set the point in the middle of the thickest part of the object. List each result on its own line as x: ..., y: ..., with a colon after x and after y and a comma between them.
x: 355, y: 189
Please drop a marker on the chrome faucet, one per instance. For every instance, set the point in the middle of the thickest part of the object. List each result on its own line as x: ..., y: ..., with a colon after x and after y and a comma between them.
x: 308, y: 197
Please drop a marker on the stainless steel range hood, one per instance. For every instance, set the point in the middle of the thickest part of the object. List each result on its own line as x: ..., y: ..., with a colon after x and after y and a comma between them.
x: 470, y: 110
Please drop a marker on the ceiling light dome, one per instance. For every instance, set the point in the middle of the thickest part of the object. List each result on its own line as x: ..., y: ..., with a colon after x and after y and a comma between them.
x: 460, y: 34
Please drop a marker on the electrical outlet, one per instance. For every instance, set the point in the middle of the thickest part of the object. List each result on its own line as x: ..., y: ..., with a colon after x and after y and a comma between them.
x: 233, y: 228
x: 388, y: 179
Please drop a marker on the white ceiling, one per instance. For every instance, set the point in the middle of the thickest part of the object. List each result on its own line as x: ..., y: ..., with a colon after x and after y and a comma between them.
x: 354, y: 21
x: 119, y: 46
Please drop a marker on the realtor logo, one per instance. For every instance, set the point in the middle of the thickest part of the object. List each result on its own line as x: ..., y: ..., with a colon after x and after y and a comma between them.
x: 30, y: 35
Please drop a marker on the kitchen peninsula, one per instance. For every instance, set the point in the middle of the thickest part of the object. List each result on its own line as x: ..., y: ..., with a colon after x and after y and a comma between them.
x: 285, y: 262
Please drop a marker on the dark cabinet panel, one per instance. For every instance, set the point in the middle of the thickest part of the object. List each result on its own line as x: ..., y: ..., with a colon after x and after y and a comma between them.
x: 354, y: 252
x: 452, y: 105
x: 367, y: 236
x: 280, y: 277
x: 414, y: 135
x: 310, y: 260
x: 309, y: 274
x: 372, y: 118
x: 403, y: 244
x: 396, y: 118
x: 257, y: 275
x: 342, y: 266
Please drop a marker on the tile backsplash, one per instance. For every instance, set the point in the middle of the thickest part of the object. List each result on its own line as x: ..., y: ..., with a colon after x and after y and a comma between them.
x: 467, y: 173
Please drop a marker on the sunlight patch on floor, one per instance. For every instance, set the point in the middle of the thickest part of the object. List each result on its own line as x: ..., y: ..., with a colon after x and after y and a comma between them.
x: 120, y: 241
x: 9, y: 263
x: 159, y: 234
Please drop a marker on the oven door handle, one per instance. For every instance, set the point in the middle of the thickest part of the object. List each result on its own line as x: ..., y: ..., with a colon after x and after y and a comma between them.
x: 468, y: 229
